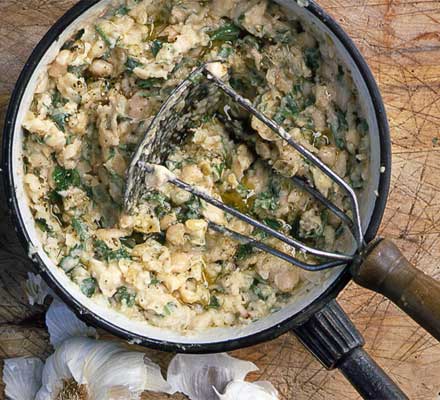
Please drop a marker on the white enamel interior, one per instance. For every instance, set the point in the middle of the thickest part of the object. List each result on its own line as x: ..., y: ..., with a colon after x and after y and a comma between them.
x: 142, y: 329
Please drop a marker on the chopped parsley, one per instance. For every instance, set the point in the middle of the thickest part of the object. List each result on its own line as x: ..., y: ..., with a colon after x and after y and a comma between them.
x: 227, y: 32
x: 80, y: 228
x: 339, y: 128
x: 103, y: 252
x: 312, y: 58
x: 267, y: 201
x: 161, y: 203
x: 132, y: 63
x: 43, y: 225
x: 244, y: 251
x: 213, y: 302
x: 69, y: 44
x: 156, y: 45
x: 60, y: 120
x: 288, y: 108
x: 58, y: 100
x: 125, y: 296
x: 103, y: 36
x: 149, y: 83
x: 89, y: 286
x: 167, y: 309
x: 65, y: 178
x: 122, y: 10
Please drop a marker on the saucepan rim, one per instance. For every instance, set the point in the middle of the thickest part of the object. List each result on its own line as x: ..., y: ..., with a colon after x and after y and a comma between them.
x: 211, y: 347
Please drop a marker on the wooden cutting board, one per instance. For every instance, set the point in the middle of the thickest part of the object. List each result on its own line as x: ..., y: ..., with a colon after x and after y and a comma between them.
x: 401, y: 42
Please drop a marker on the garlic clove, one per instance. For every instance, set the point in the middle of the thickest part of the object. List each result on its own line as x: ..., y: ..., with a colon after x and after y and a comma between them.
x: 240, y: 390
x: 197, y: 375
x: 22, y: 377
x: 126, y: 371
x: 36, y: 289
x: 106, y: 369
x: 57, y: 369
x: 63, y: 324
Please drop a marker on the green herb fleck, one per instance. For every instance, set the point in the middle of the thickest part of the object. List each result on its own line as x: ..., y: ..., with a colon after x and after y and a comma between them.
x: 103, y: 252
x: 160, y: 201
x: 123, y: 295
x: 258, y: 288
x: 70, y: 43
x: 244, y: 251
x: 156, y: 45
x: 77, y: 70
x: 167, y: 309
x: 267, y: 201
x: 68, y: 263
x: 60, y: 120
x: 312, y: 58
x: 213, y: 302
x: 148, y: 83
x: 122, y: 10
x: 218, y: 169
x: 80, y: 228
x: 65, y: 178
x: 191, y: 209
x: 58, y: 100
x: 339, y: 128
x: 225, y: 52
x: 88, y: 286
x: 103, y: 35
x: 227, y: 32
x: 435, y: 141
x: 288, y: 108
x: 132, y: 63
x: 43, y: 225
x: 154, y: 281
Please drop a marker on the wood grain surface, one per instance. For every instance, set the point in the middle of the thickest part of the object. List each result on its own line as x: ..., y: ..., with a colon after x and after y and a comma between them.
x: 401, y: 42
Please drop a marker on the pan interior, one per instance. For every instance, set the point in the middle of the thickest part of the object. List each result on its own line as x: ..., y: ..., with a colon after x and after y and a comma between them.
x: 305, y: 296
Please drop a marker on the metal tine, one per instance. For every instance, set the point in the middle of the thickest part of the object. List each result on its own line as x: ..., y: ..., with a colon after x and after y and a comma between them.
x: 246, y: 104
x: 327, y: 203
x: 257, y: 224
x: 317, y: 195
x: 268, y: 249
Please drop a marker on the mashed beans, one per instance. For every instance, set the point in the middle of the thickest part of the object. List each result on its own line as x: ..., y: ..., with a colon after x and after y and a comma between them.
x: 162, y: 264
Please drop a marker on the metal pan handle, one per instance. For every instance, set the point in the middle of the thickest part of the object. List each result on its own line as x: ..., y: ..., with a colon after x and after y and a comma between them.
x: 336, y: 343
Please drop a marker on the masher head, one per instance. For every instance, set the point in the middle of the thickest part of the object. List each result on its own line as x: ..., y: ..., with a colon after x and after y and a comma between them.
x: 190, y: 100
x: 198, y: 95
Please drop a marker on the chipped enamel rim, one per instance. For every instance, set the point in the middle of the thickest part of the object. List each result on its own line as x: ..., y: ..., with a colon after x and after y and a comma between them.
x: 216, y: 339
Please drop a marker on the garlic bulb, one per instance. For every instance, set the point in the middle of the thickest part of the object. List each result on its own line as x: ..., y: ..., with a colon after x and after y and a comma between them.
x: 240, y: 390
x: 36, y: 289
x: 198, y: 375
x: 107, y: 369
x: 63, y: 324
x: 22, y: 377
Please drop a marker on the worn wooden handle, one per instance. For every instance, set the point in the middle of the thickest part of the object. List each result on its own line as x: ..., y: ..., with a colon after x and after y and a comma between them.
x: 385, y: 270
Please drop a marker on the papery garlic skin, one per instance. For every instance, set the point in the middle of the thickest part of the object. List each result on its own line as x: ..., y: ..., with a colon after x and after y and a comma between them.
x: 197, y: 375
x: 36, y: 289
x: 22, y: 377
x: 107, y: 369
x: 58, y: 366
x: 63, y: 324
x: 240, y: 390
x: 130, y: 370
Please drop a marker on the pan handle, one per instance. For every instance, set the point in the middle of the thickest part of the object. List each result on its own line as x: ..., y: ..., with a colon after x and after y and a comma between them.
x: 385, y: 270
x: 336, y: 343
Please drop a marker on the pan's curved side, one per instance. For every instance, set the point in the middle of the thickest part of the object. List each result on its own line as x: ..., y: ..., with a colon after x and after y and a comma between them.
x: 215, y: 345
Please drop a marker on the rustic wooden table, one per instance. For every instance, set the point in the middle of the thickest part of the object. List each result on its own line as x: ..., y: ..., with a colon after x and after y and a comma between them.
x: 401, y: 41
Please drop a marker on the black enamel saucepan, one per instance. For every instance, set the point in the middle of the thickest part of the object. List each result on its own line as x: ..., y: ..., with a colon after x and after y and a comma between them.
x: 316, y: 318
